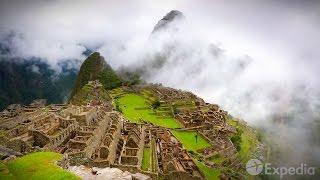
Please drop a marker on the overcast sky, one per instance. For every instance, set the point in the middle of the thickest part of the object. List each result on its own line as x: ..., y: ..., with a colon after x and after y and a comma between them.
x: 57, y: 29
x: 282, y: 37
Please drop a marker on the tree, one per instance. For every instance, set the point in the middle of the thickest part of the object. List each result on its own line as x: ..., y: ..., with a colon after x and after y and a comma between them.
x: 156, y: 104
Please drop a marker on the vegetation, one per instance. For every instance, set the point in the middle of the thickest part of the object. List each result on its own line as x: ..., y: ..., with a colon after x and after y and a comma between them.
x: 24, y: 81
x: 209, y: 173
x: 38, y: 165
x: 156, y: 104
x: 4, y: 172
x: 146, y: 159
x: 236, y: 139
x: 245, y: 139
x: 217, y: 159
x: 135, y: 108
x: 93, y: 68
x: 109, y: 78
x: 188, y: 139
x: 86, y: 94
x: 175, y: 110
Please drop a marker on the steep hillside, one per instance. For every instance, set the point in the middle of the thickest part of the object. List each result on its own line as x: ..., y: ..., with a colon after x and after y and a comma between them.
x: 23, y: 81
x: 219, y: 144
x: 93, y: 92
x: 96, y: 68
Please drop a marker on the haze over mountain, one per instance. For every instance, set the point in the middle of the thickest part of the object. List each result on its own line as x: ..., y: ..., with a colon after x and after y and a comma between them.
x: 23, y: 80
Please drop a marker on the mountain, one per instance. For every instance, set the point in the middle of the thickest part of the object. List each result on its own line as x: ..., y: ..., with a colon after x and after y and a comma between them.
x: 167, y: 20
x: 22, y: 81
x: 96, y: 68
x: 92, y: 93
x: 160, y: 47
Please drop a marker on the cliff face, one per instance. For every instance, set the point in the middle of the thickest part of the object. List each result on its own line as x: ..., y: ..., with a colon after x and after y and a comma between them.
x: 96, y: 68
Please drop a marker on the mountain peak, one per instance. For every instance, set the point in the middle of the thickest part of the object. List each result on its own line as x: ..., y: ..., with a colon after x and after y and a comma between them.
x: 96, y: 68
x: 173, y: 15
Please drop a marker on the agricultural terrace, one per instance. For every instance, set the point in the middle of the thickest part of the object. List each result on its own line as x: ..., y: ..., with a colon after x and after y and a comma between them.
x: 247, y: 142
x: 188, y: 139
x: 209, y: 173
x: 138, y: 108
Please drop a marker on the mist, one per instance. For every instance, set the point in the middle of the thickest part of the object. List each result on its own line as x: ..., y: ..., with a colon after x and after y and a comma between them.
x: 256, y: 59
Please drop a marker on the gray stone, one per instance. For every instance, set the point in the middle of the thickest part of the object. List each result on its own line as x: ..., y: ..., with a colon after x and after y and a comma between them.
x: 139, y: 176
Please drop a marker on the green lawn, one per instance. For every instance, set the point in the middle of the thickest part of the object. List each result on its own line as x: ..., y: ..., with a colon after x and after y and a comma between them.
x: 38, y: 165
x: 146, y: 159
x: 187, y: 138
x: 130, y: 102
x: 209, y: 173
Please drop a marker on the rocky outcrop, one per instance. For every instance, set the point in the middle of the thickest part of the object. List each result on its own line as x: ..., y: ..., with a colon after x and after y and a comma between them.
x: 6, y: 152
x: 168, y: 19
x: 105, y: 173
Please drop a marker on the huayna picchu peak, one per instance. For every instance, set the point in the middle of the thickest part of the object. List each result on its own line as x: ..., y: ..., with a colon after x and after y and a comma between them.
x: 96, y: 68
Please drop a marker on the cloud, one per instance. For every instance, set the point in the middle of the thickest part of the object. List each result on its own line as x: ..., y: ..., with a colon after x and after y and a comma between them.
x: 257, y: 59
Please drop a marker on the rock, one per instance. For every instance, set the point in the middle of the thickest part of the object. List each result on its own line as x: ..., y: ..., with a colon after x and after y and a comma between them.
x: 105, y: 173
x: 10, y: 158
x: 139, y: 176
x: 109, y: 173
x: 127, y: 175
x: 168, y: 19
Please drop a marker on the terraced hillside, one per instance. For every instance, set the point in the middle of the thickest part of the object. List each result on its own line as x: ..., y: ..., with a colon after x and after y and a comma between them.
x: 138, y: 106
x: 150, y: 129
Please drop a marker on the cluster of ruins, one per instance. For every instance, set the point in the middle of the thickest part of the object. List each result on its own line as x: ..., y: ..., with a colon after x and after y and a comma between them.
x: 95, y: 134
x: 208, y: 119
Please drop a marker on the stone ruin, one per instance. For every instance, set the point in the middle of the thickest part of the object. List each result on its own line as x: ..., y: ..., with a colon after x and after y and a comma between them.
x: 209, y: 120
x: 95, y: 135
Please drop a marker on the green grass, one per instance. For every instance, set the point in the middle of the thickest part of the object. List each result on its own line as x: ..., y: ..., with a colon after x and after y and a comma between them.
x: 146, y: 159
x: 248, y: 140
x: 209, y: 173
x: 116, y: 92
x: 187, y: 138
x: 248, y: 145
x: 4, y: 172
x: 130, y: 102
x: 217, y: 159
x: 38, y: 165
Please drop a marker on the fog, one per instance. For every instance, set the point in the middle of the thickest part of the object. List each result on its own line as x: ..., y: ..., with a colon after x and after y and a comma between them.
x: 256, y: 59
